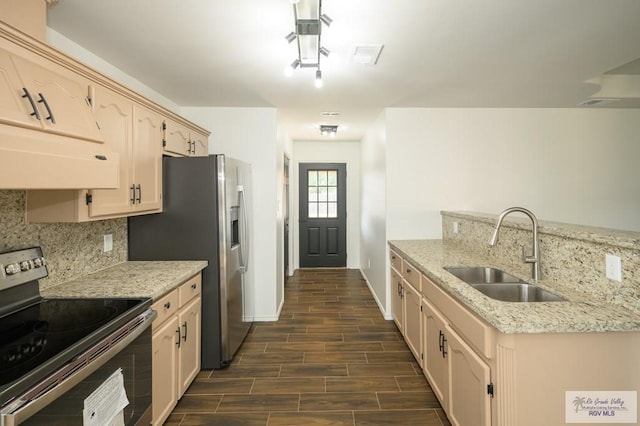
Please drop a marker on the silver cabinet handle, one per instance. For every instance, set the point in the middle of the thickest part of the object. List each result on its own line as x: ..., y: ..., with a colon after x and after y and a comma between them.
x: 27, y: 95
x: 139, y: 189
x: 132, y: 191
x: 46, y: 105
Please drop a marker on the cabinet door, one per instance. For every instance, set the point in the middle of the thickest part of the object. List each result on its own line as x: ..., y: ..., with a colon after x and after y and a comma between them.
x: 469, y: 402
x: 14, y: 108
x: 189, y: 355
x: 61, y: 99
x: 396, y: 300
x: 147, y: 154
x: 435, y: 352
x: 413, y: 321
x: 114, y: 114
x: 200, y: 144
x: 176, y: 137
x: 165, y: 378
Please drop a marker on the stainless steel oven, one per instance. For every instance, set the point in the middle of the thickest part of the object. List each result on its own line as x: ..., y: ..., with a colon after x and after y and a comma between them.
x: 70, y: 361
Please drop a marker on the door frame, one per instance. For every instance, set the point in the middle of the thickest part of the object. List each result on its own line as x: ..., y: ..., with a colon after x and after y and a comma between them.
x: 353, y: 202
x: 343, y: 180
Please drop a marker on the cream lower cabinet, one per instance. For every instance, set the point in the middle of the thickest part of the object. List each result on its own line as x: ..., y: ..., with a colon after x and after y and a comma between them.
x: 175, y: 346
x: 435, y: 365
x: 412, y: 305
x: 397, y: 294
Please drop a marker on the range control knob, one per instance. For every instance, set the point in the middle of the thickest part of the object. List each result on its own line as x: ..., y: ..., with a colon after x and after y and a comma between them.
x: 12, y: 269
x: 38, y: 262
x: 25, y: 265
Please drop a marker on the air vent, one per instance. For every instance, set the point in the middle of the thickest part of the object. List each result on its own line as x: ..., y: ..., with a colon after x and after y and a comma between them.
x: 329, y: 114
x: 366, y: 54
x: 597, y: 101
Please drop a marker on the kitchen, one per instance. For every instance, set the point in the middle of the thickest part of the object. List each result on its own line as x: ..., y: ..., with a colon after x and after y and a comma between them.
x: 568, y: 139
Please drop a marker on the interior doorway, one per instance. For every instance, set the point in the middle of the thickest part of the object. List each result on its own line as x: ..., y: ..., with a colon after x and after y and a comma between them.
x: 323, y: 215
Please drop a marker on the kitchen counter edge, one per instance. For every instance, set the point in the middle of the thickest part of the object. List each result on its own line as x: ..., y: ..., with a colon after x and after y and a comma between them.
x: 131, y: 279
x: 577, y: 315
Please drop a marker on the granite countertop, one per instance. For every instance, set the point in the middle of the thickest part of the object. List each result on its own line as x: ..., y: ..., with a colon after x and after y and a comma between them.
x: 579, y: 314
x: 129, y: 279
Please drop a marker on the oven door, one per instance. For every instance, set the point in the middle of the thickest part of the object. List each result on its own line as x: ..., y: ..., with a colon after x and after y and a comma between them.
x: 62, y: 398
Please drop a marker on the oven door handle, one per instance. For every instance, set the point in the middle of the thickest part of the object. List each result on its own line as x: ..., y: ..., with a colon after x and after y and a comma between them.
x: 31, y: 402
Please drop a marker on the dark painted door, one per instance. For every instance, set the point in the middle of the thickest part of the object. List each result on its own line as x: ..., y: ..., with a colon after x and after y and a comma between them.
x: 323, y: 215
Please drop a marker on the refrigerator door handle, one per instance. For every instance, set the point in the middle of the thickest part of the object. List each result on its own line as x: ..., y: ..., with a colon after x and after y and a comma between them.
x: 244, y: 232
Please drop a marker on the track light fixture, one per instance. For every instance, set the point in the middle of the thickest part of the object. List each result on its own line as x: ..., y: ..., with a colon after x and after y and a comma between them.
x: 308, y: 22
x: 291, y: 36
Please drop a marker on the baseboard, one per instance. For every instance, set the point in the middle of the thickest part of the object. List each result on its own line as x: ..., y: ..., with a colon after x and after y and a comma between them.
x: 386, y: 316
x: 270, y: 318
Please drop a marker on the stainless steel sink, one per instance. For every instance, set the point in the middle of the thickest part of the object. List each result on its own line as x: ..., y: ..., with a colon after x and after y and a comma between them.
x: 482, y: 275
x: 500, y: 285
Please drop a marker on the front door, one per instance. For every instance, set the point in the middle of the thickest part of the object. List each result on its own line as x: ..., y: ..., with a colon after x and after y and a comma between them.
x: 323, y: 215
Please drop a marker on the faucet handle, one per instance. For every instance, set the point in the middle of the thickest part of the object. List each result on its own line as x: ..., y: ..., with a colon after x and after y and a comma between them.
x: 528, y: 259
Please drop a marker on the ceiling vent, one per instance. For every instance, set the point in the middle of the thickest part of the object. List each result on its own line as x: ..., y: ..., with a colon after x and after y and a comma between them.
x: 366, y: 54
x: 329, y: 114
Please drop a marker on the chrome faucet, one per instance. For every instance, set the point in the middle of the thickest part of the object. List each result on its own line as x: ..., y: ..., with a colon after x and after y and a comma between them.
x: 534, y: 259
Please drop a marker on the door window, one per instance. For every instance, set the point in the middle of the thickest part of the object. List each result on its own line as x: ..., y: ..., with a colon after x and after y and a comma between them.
x: 323, y: 193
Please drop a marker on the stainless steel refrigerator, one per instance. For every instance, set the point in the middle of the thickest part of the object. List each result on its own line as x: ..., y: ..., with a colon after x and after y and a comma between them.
x: 206, y: 216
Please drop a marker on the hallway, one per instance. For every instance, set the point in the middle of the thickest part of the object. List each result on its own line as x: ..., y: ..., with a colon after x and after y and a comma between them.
x: 331, y: 359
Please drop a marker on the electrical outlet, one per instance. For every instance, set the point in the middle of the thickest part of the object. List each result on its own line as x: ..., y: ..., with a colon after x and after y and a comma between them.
x: 456, y: 227
x: 108, y: 242
x: 613, y: 267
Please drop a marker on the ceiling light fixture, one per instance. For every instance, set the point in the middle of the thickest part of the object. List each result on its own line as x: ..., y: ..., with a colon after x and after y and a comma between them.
x: 291, y: 36
x: 308, y: 21
x: 288, y: 71
x: 328, y: 130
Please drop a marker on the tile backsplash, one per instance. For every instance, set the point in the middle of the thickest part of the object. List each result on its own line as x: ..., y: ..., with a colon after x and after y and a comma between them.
x: 571, y: 256
x: 71, y: 249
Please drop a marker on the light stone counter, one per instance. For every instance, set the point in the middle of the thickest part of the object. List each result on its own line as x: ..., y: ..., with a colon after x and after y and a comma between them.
x: 579, y: 314
x: 129, y: 279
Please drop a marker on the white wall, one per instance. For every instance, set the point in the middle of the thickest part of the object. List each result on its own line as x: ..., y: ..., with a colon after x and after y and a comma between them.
x: 330, y: 152
x: 566, y: 165
x: 373, y: 235
x: 250, y: 134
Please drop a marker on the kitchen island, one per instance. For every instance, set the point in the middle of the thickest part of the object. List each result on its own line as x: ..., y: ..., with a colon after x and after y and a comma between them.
x: 491, y: 362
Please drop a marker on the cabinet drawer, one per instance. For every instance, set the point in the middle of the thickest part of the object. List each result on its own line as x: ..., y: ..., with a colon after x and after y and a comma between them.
x: 475, y: 331
x: 166, y: 307
x: 412, y: 275
x: 396, y: 260
x: 190, y: 289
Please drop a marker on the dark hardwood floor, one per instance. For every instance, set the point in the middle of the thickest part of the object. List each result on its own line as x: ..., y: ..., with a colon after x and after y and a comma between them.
x: 331, y: 359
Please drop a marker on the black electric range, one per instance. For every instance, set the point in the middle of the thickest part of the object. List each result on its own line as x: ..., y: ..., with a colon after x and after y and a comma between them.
x: 39, y: 335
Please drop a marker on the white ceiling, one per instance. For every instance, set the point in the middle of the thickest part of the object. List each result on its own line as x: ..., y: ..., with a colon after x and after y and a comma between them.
x: 437, y: 53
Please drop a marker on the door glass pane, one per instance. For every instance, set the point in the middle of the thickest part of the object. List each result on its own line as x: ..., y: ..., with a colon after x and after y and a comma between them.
x: 322, y: 209
x: 313, y: 209
x: 332, y: 178
x: 333, y: 210
x: 323, y: 193
x: 313, y: 177
x: 322, y: 178
x: 333, y: 193
x: 313, y: 193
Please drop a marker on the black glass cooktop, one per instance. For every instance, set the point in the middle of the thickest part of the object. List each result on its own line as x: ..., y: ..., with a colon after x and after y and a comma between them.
x: 53, y: 331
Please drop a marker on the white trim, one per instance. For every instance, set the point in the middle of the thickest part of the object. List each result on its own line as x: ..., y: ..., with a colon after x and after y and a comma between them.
x: 271, y: 318
x: 386, y: 316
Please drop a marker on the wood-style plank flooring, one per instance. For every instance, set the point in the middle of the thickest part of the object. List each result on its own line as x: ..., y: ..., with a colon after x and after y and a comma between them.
x: 331, y: 359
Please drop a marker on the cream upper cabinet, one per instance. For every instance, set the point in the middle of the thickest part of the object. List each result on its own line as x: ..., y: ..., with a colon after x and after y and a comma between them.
x: 147, y: 154
x: 46, y: 122
x: 183, y: 141
x: 135, y: 133
x: 60, y: 100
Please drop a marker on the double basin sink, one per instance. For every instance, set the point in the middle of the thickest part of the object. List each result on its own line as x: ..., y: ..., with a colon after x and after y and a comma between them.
x: 500, y: 285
